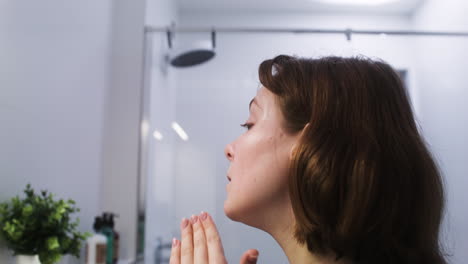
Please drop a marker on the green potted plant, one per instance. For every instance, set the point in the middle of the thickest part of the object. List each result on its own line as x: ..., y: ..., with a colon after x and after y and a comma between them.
x: 39, y: 227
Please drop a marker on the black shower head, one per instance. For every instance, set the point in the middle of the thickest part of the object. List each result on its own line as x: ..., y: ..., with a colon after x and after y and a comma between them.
x: 192, y: 57
x: 197, y: 53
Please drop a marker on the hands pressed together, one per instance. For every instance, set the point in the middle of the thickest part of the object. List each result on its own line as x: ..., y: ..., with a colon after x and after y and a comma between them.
x: 201, y: 244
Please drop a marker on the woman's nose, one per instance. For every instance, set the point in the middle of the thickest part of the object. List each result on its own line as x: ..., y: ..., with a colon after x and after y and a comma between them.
x: 228, y: 152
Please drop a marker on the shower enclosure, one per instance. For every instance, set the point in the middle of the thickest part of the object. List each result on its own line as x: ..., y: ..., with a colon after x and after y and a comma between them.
x: 183, y: 175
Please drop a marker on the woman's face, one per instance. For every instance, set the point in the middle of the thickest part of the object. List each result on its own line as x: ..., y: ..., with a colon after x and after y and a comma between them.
x: 259, y: 160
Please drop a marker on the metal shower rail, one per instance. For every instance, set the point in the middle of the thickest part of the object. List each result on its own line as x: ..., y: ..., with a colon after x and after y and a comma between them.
x: 347, y: 32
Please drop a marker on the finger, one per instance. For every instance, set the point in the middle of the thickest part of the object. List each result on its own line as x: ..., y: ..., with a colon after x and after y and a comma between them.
x: 249, y: 257
x: 186, y: 246
x: 200, y: 255
x: 215, y: 248
x: 175, y: 252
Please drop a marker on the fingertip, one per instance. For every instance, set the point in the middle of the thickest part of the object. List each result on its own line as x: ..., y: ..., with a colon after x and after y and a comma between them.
x: 209, y: 218
x: 175, y: 252
x: 252, y: 259
x: 206, y: 219
x: 250, y: 256
x: 193, y: 219
x: 175, y: 242
x: 203, y: 215
x: 253, y: 256
x: 184, y: 223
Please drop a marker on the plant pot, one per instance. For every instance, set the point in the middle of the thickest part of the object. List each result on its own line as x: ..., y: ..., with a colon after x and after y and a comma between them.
x: 27, y: 259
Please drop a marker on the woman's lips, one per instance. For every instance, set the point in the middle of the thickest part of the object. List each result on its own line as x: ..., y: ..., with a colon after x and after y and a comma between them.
x: 229, y: 183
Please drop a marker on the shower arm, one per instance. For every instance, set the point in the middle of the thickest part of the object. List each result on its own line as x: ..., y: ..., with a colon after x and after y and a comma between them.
x: 347, y: 32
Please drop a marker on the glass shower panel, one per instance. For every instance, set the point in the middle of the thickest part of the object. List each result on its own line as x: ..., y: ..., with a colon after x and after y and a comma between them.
x: 210, y: 100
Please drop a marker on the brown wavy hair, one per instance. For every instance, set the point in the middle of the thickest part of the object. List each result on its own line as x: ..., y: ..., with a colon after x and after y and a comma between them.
x: 363, y: 184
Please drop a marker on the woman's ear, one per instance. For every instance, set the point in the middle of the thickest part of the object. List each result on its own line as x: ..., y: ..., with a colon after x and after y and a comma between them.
x: 297, y: 137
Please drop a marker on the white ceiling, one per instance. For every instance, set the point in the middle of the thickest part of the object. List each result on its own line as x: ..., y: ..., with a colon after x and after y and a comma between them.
x: 401, y: 7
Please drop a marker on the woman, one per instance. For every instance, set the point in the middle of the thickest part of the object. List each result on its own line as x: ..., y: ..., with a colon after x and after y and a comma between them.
x: 332, y: 166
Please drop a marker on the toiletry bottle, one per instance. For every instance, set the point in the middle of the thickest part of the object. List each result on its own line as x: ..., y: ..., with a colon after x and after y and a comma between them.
x: 116, y: 237
x: 141, y: 233
x: 107, y: 231
x: 96, y: 245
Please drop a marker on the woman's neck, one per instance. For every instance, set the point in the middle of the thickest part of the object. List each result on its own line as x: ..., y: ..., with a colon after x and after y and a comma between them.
x: 283, y: 232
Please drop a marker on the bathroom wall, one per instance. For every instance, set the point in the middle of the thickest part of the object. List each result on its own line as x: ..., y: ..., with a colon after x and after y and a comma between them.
x: 54, y: 62
x: 121, y: 133
x: 212, y: 100
x: 441, y: 82
x: 70, y: 82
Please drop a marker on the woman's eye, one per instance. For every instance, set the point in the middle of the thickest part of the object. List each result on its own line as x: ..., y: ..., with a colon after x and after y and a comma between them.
x: 247, y: 125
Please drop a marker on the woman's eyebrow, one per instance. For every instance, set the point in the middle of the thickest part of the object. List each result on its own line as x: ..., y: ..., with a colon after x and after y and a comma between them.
x: 253, y: 101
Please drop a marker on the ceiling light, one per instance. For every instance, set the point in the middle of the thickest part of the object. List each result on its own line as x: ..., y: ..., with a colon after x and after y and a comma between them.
x: 157, y: 135
x: 178, y: 129
x: 358, y: 2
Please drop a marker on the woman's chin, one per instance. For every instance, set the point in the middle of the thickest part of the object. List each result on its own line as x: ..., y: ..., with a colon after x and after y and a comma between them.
x: 240, y: 215
x: 230, y: 211
x: 227, y: 208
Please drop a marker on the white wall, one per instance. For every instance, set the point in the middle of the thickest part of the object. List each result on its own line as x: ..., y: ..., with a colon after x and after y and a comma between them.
x: 121, y: 136
x: 212, y: 100
x: 70, y: 80
x: 54, y: 60
x: 443, y: 88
